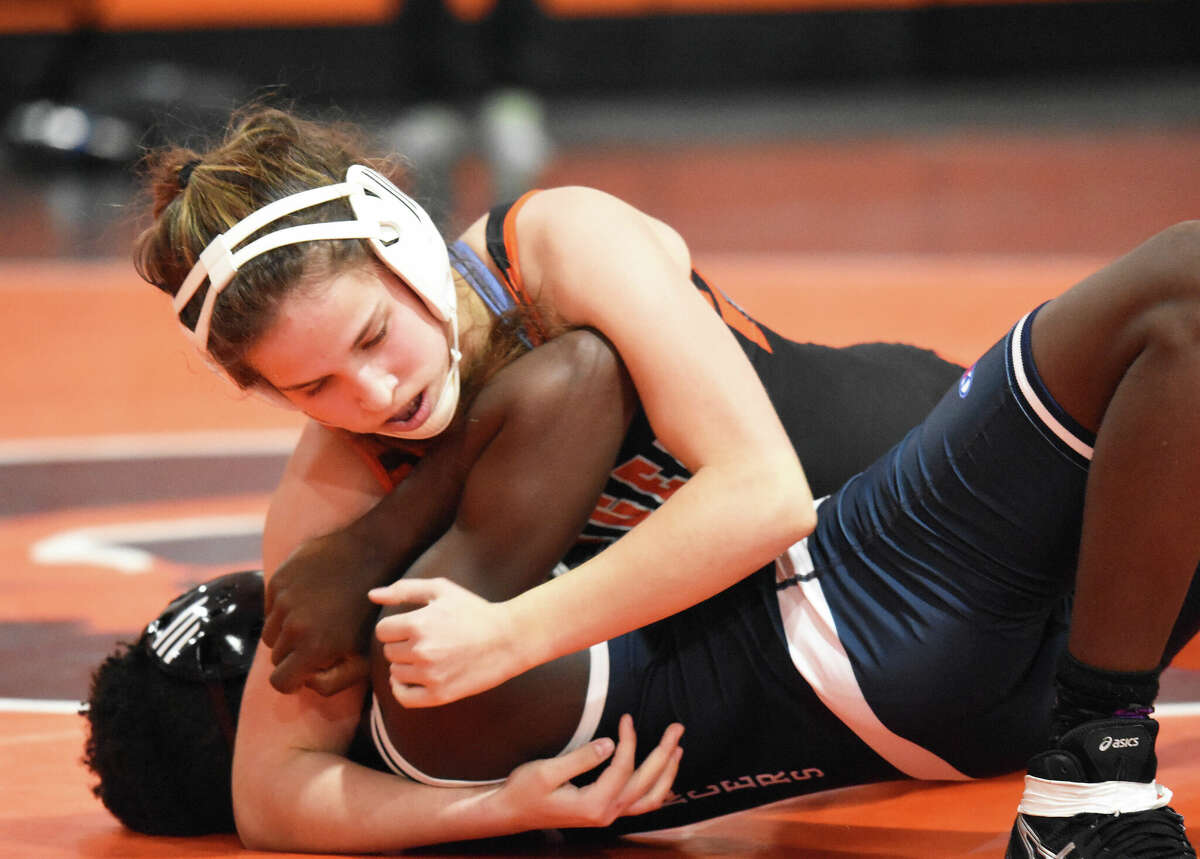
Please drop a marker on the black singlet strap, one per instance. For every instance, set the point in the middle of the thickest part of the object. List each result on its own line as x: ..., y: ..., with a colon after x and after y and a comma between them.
x: 494, y: 235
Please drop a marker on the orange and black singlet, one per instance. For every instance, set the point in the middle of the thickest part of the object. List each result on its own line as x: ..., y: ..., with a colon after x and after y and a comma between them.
x: 841, y: 407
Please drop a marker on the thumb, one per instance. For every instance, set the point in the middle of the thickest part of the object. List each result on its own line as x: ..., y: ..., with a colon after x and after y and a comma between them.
x: 561, y: 769
x: 406, y: 591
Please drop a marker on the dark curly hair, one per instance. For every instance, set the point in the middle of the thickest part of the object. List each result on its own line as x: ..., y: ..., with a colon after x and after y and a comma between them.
x: 158, y: 747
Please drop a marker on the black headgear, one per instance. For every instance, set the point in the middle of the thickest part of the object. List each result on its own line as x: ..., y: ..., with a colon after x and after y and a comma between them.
x: 211, y: 631
x: 208, y: 635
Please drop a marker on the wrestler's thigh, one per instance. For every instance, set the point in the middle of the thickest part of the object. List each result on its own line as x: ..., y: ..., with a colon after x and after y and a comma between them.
x: 487, y: 735
x: 1085, y: 340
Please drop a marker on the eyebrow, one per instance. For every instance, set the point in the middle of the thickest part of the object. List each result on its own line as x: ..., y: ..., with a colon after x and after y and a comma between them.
x: 363, y: 333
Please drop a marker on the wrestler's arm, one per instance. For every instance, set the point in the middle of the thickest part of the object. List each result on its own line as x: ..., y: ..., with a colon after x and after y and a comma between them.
x: 318, y: 619
x: 598, y: 262
x: 521, y: 509
x: 296, y: 792
x: 292, y: 787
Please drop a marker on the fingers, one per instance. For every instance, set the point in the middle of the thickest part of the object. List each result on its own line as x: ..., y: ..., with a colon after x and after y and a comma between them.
x: 353, y: 669
x: 644, y: 789
x: 276, y: 607
x: 619, y: 790
x: 651, y: 783
x: 269, y: 594
x: 399, y: 627
x: 414, y: 681
x: 617, y: 774
x: 271, y: 626
x: 654, y: 798
x: 290, y: 673
x: 560, y: 770
x: 394, y: 628
x: 419, y: 591
x: 413, y: 696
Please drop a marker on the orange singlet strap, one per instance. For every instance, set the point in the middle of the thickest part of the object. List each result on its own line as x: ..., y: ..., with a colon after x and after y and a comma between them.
x: 731, y: 314
x: 389, y: 463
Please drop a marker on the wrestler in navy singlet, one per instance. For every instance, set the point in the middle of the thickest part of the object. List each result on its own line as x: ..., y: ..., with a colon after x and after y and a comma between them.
x: 933, y: 594
x: 913, y: 609
x: 730, y: 648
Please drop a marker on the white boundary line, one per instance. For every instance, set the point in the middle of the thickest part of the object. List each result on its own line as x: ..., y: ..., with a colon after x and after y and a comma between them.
x: 148, y: 446
x: 39, y: 705
x: 1179, y: 708
x: 107, y: 545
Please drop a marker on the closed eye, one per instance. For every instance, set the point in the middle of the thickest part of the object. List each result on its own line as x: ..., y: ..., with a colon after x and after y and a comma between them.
x: 378, y: 338
x: 315, y: 388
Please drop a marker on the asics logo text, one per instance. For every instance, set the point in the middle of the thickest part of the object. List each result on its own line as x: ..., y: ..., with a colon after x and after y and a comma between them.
x: 1119, y: 743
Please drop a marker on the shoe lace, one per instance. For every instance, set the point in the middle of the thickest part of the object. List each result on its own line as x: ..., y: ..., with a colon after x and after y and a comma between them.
x: 1143, y: 834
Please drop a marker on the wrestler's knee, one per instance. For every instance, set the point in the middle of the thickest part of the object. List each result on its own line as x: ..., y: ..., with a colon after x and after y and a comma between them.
x: 1166, y: 312
x: 1143, y: 309
x: 1177, y: 250
x: 1172, y: 319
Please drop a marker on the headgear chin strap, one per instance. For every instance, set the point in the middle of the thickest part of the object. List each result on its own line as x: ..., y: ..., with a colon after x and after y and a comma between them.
x: 400, y: 233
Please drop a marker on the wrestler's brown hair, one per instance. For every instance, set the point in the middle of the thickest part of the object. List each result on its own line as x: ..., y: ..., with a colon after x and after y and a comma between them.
x: 266, y: 154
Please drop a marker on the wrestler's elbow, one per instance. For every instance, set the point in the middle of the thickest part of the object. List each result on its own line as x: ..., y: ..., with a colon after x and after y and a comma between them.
x: 796, y: 505
x: 783, y: 502
x: 253, y: 827
x: 261, y: 823
x: 256, y: 831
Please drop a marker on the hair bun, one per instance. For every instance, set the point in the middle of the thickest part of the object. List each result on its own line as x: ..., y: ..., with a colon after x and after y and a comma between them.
x: 185, y: 172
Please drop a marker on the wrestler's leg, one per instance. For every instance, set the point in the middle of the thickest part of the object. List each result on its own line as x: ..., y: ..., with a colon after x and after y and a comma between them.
x: 1120, y: 353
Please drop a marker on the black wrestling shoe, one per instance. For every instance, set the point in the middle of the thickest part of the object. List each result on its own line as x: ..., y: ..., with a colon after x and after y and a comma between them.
x: 1110, y: 763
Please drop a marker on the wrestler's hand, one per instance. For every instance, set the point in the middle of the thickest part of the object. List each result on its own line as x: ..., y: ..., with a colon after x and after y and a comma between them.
x: 452, y: 645
x: 318, y: 617
x: 540, y: 794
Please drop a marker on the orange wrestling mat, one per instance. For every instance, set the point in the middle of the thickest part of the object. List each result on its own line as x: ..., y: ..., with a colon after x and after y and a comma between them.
x: 112, y: 503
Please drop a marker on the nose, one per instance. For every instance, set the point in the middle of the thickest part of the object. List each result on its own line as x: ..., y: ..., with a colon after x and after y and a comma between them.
x: 376, y: 388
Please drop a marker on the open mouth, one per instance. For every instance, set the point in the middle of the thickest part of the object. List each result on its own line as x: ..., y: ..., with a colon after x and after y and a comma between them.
x: 410, y: 411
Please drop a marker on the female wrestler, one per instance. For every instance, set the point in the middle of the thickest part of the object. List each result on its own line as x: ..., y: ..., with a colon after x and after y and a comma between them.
x: 169, y: 703
x: 536, y: 446
x: 328, y: 481
x: 357, y: 350
x: 760, y: 734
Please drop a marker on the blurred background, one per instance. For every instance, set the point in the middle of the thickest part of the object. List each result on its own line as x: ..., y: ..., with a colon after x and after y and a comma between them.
x: 752, y: 125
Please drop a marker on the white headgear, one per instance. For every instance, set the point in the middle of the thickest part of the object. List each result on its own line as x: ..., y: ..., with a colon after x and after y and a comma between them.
x: 401, y: 233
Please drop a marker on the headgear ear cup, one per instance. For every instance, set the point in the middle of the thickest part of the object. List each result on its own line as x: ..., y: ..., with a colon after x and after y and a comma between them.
x: 401, y: 234
x: 410, y: 245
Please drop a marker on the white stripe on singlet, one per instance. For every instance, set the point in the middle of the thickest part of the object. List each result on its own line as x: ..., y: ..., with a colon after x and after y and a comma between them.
x: 589, y: 720
x: 1030, y: 395
x: 822, y: 661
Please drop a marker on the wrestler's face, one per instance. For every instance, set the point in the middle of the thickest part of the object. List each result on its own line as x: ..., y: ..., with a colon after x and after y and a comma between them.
x: 358, y: 350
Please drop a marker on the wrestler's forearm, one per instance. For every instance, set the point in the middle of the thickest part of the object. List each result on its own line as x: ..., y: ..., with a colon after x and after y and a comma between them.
x: 294, y: 790
x: 324, y: 803
x: 707, y: 537
x: 394, y: 533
